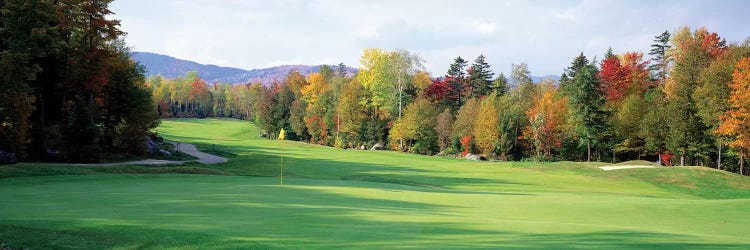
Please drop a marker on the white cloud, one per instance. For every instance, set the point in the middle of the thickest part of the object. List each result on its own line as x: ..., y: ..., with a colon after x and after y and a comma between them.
x: 483, y: 27
x: 546, y: 35
x: 367, y: 31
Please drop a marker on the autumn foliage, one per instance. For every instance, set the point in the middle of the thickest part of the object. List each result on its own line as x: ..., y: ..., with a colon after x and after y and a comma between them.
x: 623, y: 75
x: 735, y: 121
x: 546, y: 121
x: 437, y: 90
x: 70, y: 91
x: 486, y: 127
x: 466, y: 144
x: 608, y: 111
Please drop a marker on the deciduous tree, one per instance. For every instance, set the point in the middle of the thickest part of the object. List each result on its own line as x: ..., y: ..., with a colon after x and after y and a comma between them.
x: 546, y: 120
x: 465, y: 119
x: 486, y: 129
x: 443, y: 129
x: 417, y: 127
x: 735, y: 121
x: 694, y: 52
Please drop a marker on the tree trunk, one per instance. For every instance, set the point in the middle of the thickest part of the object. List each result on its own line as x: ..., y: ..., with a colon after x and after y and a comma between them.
x: 107, y: 125
x: 588, y: 147
x: 742, y: 162
x: 682, y: 160
x: 661, y: 163
x: 400, y: 93
x: 91, y: 108
x: 718, y: 161
x: 41, y: 106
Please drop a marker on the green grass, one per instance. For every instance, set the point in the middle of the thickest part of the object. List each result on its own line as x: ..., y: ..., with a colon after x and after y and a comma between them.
x: 335, y: 198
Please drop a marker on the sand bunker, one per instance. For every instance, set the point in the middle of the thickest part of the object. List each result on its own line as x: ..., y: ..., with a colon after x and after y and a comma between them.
x: 607, y: 168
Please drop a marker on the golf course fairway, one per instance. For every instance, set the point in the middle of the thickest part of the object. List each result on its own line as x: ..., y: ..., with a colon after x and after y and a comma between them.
x: 335, y: 198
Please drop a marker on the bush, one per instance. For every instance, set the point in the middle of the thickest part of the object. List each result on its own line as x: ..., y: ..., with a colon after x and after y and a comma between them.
x: 130, y: 138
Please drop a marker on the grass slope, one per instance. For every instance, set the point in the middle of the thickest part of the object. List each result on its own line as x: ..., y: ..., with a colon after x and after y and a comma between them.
x: 335, y: 198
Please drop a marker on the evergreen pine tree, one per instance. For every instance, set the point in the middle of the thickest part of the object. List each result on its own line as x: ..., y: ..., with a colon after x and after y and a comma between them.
x: 661, y: 59
x: 578, y: 63
x: 587, y: 102
x: 456, y: 88
x: 500, y: 85
x: 480, y: 77
x: 609, y: 53
x: 569, y: 73
x: 341, y: 70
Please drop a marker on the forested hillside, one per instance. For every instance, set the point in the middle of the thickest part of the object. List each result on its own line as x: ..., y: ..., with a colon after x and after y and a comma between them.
x: 170, y: 67
x: 681, y: 103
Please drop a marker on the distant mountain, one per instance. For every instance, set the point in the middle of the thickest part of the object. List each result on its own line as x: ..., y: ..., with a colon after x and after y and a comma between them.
x: 171, y: 67
x: 537, y: 79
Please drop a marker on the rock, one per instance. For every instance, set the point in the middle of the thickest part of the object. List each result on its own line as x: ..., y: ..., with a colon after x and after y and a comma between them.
x: 441, y: 153
x: 164, y: 152
x: 362, y: 147
x: 377, y: 146
x: 475, y: 157
x: 151, y: 147
x: 7, y: 158
x: 51, y: 154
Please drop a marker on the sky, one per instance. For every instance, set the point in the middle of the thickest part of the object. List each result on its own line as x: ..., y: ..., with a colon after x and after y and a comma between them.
x: 546, y: 35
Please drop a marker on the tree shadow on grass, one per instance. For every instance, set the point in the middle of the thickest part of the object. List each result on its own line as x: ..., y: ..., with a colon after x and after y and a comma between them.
x: 266, y: 161
x: 618, y: 240
x: 214, y: 216
x: 251, y: 212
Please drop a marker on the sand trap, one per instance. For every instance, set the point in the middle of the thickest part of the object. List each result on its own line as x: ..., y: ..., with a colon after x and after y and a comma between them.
x: 607, y: 168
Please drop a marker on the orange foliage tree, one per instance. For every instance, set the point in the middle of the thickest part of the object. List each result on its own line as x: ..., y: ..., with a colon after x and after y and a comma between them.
x: 546, y: 120
x: 198, y: 93
x: 735, y: 121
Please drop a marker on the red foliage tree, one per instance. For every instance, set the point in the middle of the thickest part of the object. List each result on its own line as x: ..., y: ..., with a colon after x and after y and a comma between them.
x: 623, y: 76
x: 198, y: 90
x: 438, y: 90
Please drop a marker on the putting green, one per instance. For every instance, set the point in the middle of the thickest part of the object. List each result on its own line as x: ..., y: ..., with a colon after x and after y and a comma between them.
x: 335, y: 198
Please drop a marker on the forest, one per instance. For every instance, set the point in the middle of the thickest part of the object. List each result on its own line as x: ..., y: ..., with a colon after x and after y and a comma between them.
x: 688, y: 99
x: 69, y: 89
x: 70, y: 92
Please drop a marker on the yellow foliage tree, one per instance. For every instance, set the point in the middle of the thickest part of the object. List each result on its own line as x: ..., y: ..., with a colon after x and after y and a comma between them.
x: 316, y: 85
x: 417, y: 124
x: 486, y: 128
x: 464, y: 124
x: 422, y: 80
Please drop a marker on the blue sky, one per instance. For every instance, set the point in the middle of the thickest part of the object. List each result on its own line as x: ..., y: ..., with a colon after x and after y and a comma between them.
x: 544, y: 34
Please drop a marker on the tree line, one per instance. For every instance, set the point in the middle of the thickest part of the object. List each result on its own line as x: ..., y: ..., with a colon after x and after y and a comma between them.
x: 69, y: 89
x: 688, y: 101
